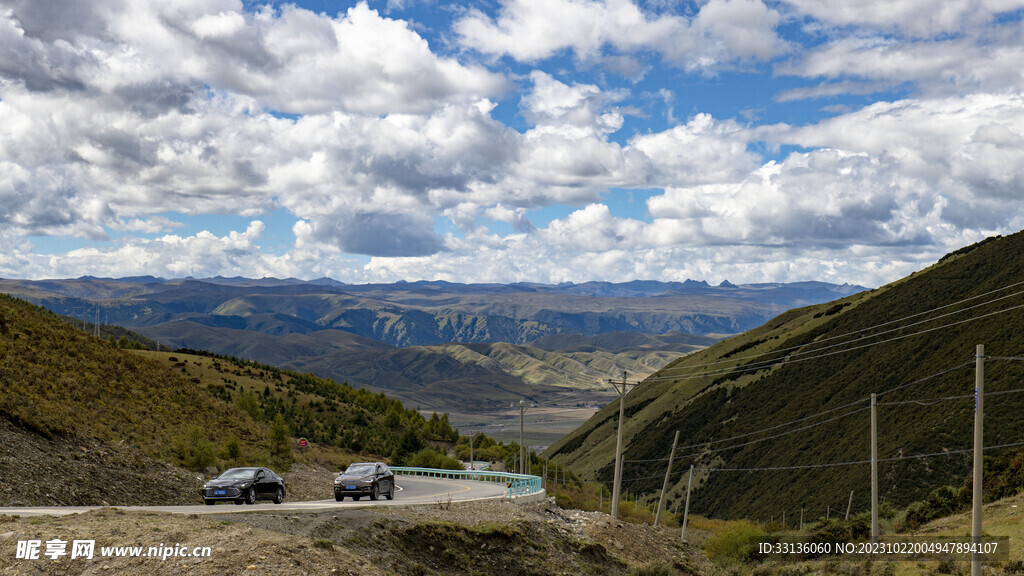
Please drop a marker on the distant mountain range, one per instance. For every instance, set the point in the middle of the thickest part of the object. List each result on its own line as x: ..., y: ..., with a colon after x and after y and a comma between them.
x: 433, y: 344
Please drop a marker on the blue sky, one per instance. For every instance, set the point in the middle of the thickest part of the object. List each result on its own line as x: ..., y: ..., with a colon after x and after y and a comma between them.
x: 507, y: 140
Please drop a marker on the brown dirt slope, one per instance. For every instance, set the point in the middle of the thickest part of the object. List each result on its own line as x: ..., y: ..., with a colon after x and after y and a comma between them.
x: 40, y: 471
x: 468, y: 539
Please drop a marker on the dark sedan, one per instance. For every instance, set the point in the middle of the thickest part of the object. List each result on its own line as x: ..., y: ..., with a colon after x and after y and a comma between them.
x: 371, y: 479
x: 245, y: 485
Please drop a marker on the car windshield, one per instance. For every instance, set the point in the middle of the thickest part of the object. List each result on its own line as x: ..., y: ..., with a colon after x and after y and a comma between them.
x: 359, y: 470
x: 238, y: 474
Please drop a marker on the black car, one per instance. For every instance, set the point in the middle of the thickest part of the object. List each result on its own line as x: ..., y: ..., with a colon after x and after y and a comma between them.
x: 245, y: 485
x: 371, y: 479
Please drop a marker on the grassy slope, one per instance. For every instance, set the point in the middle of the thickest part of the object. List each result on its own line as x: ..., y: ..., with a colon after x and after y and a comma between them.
x: 328, y: 414
x: 713, y: 407
x: 59, y: 381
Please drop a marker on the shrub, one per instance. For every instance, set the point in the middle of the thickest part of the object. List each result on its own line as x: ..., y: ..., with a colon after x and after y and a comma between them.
x: 943, y: 501
x: 430, y: 458
x: 195, y: 449
x: 735, y: 543
x: 832, y: 530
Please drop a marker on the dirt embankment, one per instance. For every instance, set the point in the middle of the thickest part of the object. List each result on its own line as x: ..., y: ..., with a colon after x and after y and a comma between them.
x: 40, y: 471
x: 60, y: 471
x: 459, y: 539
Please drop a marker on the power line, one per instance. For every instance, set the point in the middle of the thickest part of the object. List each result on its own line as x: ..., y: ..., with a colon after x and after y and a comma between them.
x: 774, y: 436
x: 753, y: 356
x: 928, y: 402
x: 766, y: 438
x: 850, y: 463
x: 834, y: 464
x: 933, y: 401
x: 769, y: 363
x: 850, y: 334
x: 815, y: 415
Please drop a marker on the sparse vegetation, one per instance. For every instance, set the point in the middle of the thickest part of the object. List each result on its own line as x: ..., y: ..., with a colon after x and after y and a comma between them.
x: 712, y: 404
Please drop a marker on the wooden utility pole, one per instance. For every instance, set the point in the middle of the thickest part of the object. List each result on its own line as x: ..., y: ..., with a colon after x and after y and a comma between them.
x: 849, y: 505
x: 979, y: 417
x: 874, y: 469
x: 686, y: 507
x: 617, y: 485
x: 664, y: 485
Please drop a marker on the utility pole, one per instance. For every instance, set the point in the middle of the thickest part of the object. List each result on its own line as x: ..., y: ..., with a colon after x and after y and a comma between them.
x: 617, y: 486
x: 471, y: 465
x: 664, y: 485
x: 874, y: 469
x: 979, y: 417
x: 849, y: 505
x: 555, y: 485
x: 522, y: 446
x: 686, y: 507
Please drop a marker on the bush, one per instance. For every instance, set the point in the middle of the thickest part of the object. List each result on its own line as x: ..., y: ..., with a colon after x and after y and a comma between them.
x: 735, y: 543
x: 195, y: 449
x: 943, y: 501
x: 832, y: 530
x: 430, y: 458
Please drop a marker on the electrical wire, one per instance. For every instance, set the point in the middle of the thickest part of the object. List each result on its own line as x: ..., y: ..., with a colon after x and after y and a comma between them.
x: 793, y: 358
x: 957, y: 303
x: 815, y: 415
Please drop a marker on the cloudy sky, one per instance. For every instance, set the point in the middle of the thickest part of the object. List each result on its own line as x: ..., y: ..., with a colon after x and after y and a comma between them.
x: 507, y: 140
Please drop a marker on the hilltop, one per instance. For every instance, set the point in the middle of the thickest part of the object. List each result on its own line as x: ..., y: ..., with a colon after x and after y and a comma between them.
x: 792, y: 395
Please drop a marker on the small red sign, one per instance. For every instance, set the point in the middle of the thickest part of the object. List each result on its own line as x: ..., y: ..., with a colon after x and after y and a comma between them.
x: 303, y: 442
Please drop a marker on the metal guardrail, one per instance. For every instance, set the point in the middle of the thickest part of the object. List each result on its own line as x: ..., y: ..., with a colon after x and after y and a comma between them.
x: 518, y: 484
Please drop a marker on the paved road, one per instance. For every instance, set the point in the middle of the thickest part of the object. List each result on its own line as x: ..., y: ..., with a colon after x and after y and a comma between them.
x: 411, y: 490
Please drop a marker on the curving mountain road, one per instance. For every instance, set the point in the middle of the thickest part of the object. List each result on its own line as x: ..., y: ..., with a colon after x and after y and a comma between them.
x: 412, y: 490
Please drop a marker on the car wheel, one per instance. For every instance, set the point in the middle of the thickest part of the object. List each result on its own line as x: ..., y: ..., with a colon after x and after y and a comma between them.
x: 339, y: 497
x: 250, y: 496
x: 391, y: 493
x: 356, y: 498
x: 279, y: 497
x: 209, y: 502
x: 373, y: 493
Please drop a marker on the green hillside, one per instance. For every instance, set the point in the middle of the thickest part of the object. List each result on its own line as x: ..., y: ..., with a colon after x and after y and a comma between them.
x: 60, y: 384
x: 58, y: 380
x: 447, y: 377
x: 916, y: 336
